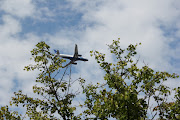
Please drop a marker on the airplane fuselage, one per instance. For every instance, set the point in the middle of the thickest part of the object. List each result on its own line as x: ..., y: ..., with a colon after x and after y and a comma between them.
x: 72, y: 58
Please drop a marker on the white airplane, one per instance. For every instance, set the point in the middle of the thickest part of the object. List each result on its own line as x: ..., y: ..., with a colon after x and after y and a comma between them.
x: 74, y: 58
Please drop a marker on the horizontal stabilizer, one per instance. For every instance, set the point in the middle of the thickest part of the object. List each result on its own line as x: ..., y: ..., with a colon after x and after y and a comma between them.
x: 74, y: 63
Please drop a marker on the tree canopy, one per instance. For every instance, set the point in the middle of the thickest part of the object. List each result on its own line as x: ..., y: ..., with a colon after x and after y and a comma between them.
x: 119, y: 97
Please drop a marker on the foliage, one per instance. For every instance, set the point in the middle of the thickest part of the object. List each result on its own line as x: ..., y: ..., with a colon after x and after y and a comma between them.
x: 118, y: 98
x: 5, y: 114
x: 170, y: 110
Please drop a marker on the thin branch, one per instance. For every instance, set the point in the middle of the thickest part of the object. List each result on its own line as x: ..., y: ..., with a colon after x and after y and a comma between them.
x: 154, y: 116
x: 57, y: 73
x: 69, y: 79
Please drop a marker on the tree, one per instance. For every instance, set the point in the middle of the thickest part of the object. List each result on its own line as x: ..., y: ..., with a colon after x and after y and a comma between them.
x: 125, y: 82
x: 117, y: 98
x: 55, y: 95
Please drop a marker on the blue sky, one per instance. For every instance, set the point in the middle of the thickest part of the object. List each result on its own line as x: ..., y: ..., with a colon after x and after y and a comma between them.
x: 91, y: 25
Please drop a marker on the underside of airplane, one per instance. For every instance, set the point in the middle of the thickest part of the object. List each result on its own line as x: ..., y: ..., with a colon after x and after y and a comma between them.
x: 73, y: 58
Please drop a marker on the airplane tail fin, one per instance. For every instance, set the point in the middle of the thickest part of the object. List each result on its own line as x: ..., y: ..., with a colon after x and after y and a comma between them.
x: 76, y: 51
x: 55, y: 51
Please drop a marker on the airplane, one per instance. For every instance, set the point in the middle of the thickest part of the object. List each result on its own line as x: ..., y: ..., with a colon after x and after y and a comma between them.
x: 73, y: 58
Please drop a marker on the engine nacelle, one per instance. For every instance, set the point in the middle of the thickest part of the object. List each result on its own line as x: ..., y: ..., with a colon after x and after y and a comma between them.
x: 79, y: 55
x: 74, y: 63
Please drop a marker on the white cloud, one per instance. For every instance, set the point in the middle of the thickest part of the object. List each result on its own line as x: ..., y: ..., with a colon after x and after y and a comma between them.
x: 27, y: 8
x: 10, y: 26
x: 14, y: 55
x: 20, y: 8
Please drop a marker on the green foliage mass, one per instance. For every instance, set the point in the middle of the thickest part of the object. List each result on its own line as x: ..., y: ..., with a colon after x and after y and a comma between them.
x: 119, y: 97
x: 125, y: 82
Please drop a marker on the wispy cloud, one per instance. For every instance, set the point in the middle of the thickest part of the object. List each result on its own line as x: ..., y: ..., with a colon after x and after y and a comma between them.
x: 19, y: 8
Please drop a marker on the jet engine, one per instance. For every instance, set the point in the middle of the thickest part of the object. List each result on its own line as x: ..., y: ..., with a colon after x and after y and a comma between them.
x: 74, y: 63
x: 79, y: 55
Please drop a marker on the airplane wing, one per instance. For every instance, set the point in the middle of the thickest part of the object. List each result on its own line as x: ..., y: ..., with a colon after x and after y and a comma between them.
x: 70, y: 58
x: 82, y: 59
